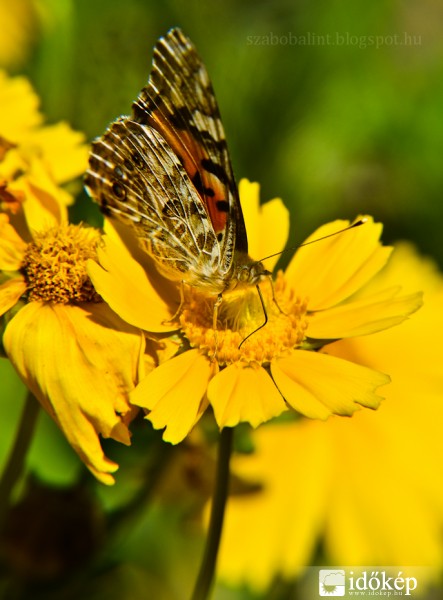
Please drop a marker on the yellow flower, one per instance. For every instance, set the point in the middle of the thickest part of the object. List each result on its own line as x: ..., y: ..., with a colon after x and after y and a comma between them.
x: 35, y: 158
x: 369, y: 488
x: 64, y: 341
x: 256, y: 377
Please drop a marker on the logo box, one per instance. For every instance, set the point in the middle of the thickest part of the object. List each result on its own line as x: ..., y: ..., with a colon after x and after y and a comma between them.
x: 331, y: 582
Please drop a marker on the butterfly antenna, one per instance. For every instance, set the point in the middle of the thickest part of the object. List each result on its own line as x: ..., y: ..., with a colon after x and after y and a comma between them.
x: 324, y: 237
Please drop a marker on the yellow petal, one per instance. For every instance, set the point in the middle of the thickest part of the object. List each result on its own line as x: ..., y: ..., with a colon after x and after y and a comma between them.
x: 331, y: 385
x: 70, y: 357
x: 126, y: 286
x: 19, y: 104
x: 380, y: 311
x: 63, y: 149
x: 10, y: 293
x: 267, y: 225
x: 45, y: 204
x: 249, y: 193
x: 12, y: 247
x: 244, y: 394
x: 174, y: 393
x: 414, y: 272
x: 329, y: 271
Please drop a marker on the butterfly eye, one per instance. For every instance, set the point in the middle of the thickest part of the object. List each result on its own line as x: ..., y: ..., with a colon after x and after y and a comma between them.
x: 119, y: 190
x: 244, y: 274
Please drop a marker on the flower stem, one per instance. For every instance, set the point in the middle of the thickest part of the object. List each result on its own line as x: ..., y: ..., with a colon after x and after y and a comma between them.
x: 16, y: 460
x: 205, y: 577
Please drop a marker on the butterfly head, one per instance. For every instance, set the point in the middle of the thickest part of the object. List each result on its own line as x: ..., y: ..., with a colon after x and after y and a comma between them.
x: 249, y: 273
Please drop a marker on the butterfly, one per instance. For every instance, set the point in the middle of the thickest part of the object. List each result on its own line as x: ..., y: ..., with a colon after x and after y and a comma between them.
x: 165, y: 170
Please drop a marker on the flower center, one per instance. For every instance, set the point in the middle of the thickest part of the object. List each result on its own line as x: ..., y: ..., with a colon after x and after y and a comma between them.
x: 55, y: 265
x: 240, y: 316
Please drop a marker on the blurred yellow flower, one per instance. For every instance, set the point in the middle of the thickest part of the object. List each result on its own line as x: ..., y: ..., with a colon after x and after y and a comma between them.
x: 368, y: 488
x: 281, y: 365
x: 19, y: 21
x: 64, y: 341
x: 35, y: 159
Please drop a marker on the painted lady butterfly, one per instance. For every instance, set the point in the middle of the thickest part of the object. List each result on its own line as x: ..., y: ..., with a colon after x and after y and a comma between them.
x: 166, y: 171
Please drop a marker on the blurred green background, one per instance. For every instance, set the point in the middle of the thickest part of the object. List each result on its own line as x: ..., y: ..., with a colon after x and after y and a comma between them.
x: 335, y: 106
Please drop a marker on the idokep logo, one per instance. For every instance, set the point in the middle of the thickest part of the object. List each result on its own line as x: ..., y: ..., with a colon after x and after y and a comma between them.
x: 368, y: 581
x: 331, y: 582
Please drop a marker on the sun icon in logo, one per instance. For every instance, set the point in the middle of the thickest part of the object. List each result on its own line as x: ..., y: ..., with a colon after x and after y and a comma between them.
x: 332, y: 583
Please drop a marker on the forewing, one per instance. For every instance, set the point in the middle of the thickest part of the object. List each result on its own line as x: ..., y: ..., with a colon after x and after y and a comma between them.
x: 180, y: 104
x: 137, y: 178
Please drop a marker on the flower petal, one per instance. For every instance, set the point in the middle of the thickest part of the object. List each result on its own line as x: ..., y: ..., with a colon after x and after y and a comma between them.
x: 12, y: 247
x: 332, y: 270
x: 267, y: 224
x: 64, y: 150
x: 10, y: 292
x: 20, y: 113
x: 244, y: 393
x: 125, y: 285
x: 174, y: 393
x: 318, y: 385
x: 70, y: 357
x: 380, y: 311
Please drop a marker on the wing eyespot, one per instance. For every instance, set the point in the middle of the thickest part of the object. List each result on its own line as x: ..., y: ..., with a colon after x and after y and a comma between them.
x: 118, y: 190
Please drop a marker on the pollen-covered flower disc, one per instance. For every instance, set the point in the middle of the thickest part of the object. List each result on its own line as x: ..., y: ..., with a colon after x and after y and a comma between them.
x: 166, y: 172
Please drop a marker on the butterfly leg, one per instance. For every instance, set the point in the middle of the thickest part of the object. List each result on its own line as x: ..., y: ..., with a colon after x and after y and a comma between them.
x: 214, y: 323
x: 265, y: 315
x: 180, y: 306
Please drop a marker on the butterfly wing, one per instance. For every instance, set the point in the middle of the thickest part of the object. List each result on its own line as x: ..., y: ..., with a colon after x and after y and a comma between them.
x: 138, y: 179
x: 180, y: 104
x: 168, y: 170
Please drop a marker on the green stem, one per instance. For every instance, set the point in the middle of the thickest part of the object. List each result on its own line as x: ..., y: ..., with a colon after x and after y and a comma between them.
x: 16, y: 460
x: 206, y: 574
